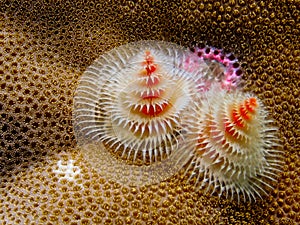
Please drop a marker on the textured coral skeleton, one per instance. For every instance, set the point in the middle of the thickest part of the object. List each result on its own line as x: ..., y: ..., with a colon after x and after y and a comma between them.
x: 47, y: 45
x: 67, y: 170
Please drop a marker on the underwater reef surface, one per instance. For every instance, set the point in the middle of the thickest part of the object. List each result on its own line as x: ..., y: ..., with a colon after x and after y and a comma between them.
x: 45, y: 48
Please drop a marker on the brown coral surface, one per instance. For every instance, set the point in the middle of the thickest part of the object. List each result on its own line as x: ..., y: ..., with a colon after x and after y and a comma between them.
x: 44, y: 48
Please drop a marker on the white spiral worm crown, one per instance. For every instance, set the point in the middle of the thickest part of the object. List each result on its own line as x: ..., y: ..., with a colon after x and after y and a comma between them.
x: 144, y: 110
x: 237, y: 149
x: 128, y: 111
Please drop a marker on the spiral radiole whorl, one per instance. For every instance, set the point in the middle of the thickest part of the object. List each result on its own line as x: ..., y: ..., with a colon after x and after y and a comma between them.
x: 128, y: 111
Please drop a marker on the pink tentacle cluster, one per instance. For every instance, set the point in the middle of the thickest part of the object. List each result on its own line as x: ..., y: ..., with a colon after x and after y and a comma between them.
x: 227, y: 67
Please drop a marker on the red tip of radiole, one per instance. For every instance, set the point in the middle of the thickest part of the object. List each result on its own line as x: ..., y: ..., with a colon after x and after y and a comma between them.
x: 240, y: 116
x: 244, y: 112
x: 151, y: 92
x: 154, y: 109
x: 149, y: 64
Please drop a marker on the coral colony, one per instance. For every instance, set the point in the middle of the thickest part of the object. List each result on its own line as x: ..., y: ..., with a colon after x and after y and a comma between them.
x: 156, y: 107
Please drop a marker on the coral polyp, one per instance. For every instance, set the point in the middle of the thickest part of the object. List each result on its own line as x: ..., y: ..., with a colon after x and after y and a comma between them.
x: 130, y: 103
x: 237, y: 150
